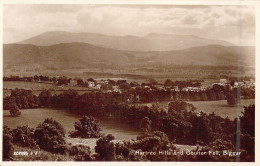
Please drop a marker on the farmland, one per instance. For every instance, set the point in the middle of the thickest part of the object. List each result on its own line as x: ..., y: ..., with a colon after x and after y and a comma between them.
x: 38, y: 87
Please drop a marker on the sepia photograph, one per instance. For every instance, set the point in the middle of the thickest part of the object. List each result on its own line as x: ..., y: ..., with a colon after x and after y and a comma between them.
x: 128, y: 82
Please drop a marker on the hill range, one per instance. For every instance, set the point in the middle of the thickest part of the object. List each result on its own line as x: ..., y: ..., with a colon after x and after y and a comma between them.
x: 45, y: 50
x: 150, y: 42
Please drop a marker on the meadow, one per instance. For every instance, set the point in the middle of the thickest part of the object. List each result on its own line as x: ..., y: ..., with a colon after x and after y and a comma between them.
x: 27, y: 85
x: 32, y: 117
x: 219, y: 107
x: 37, y: 87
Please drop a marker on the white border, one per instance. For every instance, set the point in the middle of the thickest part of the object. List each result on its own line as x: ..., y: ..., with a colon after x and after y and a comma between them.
x: 255, y: 3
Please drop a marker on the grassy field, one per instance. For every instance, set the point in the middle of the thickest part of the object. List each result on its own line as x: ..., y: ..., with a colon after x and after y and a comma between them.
x: 39, y: 87
x: 27, y: 85
x: 220, y: 107
x: 33, y: 117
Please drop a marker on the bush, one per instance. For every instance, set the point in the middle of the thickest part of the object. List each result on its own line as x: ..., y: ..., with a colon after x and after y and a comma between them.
x: 122, y: 150
x: 219, y: 145
x: 105, y: 148
x: 146, y: 124
x: 23, y: 136
x: 149, y: 142
x: 178, y: 106
x: 81, y: 153
x: 247, y: 136
x: 49, y: 135
x: 232, y: 98
x: 154, y: 141
x: 248, y: 120
x: 88, y: 127
x: 7, y: 144
x: 14, y: 110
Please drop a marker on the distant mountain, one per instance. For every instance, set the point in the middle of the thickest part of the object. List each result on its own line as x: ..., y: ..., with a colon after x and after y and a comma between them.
x: 67, y: 55
x: 150, y: 42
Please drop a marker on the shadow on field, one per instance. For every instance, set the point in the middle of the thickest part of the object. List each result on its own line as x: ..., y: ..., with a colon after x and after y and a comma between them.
x: 10, y: 116
x: 230, y: 106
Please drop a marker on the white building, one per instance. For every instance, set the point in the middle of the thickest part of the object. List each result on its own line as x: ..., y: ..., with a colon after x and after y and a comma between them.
x: 223, y: 80
x: 73, y: 83
x: 91, y: 84
x: 98, y: 86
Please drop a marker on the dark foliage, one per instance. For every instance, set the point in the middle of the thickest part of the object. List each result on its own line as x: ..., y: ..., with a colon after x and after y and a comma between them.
x: 88, y: 127
x: 232, y: 97
x: 14, y: 110
x: 80, y: 153
x: 23, y: 136
x: 7, y: 144
x: 105, y: 148
x: 49, y: 135
x: 23, y: 99
x: 248, y: 120
x: 146, y: 124
x: 247, y: 136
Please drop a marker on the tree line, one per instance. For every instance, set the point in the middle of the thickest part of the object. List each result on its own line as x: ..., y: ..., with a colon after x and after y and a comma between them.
x: 179, y: 122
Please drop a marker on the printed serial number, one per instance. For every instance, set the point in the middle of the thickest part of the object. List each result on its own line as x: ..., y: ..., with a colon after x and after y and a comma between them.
x: 21, y: 153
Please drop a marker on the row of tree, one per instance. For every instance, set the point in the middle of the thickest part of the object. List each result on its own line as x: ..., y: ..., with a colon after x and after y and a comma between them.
x: 57, y: 80
x: 179, y: 122
x: 24, y: 99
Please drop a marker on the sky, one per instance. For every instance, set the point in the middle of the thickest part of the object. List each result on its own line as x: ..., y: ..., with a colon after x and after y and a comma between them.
x: 235, y: 24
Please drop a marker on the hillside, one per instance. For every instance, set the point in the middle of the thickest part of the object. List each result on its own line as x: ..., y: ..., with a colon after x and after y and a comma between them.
x: 68, y: 55
x: 150, y: 42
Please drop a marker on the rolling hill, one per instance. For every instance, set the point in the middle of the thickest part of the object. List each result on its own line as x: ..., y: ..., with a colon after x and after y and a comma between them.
x: 150, y: 42
x: 81, y: 54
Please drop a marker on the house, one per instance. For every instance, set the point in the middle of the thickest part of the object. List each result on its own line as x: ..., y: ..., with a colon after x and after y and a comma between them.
x: 73, y: 83
x: 223, y: 80
x: 116, y: 89
x: 91, y: 84
x: 98, y: 86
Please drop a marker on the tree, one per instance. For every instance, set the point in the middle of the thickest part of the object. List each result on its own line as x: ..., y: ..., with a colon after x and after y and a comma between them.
x: 153, y: 141
x: 14, y: 110
x: 45, y: 98
x: 80, y: 82
x: 36, y: 78
x: 176, y: 128
x: 23, y: 136
x: 105, y: 148
x: 232, y: 97
x: 168, y: 83
x: 248, y: 130
x: 200, y: 131
x: 150, y: 142
x: 49, y: 135
x: 178, y: 106
x: 81, y: 153
x: 88, y: 127
x: 146, y: 124
x: 91, y: 80
x: 124, y: 86
x: 152, y: 81
x: 7, y: 144
x: 248, y: 120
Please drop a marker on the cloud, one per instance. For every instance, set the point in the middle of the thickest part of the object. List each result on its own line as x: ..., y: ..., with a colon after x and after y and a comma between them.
x: 23, y: 21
